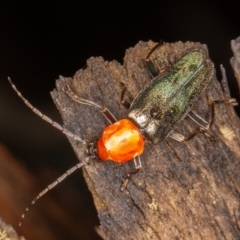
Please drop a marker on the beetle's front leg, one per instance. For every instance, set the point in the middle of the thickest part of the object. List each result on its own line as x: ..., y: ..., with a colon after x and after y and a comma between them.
x: 138, y: 167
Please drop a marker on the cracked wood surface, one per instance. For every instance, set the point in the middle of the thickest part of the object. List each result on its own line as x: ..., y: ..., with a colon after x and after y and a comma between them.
x: 185, y: 190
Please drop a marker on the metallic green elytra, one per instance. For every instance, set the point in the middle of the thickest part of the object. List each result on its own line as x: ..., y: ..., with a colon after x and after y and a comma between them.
x: 169, y: 96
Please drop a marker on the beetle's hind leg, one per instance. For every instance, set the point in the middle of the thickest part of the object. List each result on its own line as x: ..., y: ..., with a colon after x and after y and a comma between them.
x: 138, y: 167
x: 149, y: 64
x: 212, y: 104
x: 204, y: 125
x: 203, y: 128
x: 151, y: 68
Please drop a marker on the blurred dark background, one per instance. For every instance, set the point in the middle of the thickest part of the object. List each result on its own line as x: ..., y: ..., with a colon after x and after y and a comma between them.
x: 40, y: 40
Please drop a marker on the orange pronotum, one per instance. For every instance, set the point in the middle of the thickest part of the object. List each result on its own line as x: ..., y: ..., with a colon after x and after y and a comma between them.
x: 120, y: 142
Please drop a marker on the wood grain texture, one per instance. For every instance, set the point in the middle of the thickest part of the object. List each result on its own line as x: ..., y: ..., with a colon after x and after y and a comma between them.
x: 187, y: 190
x: 235, y: 60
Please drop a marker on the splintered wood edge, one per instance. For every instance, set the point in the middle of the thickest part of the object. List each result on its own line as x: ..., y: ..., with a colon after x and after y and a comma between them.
x: 235, y: 60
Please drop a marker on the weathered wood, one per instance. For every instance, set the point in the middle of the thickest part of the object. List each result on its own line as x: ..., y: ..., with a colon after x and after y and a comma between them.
x: 8, y: 233
x: 235, y: 61
x: 185, y: 190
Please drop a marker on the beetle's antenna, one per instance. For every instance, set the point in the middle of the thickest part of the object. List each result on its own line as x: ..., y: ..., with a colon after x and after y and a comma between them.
x: 46, y: 118
x: 52, y: 185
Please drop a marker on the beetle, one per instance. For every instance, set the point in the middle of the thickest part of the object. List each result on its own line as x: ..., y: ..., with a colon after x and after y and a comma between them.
x: 152, y: 115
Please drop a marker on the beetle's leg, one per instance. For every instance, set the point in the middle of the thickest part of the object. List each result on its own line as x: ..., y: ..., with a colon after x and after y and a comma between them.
x: 151, y: 68
x: 123, y: 101
x: 105, y: 111
x: 199, y: 120
x: 180, y: 137
x: 138, y: 166
x: 196, y: 118
x: 203, y: 124
x: 207, y: 124
x: 212, y: 104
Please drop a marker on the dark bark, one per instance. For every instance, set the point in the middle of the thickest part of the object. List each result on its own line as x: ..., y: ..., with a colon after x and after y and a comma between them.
x: 185, y: 190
